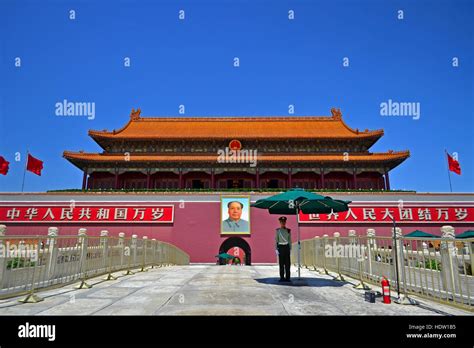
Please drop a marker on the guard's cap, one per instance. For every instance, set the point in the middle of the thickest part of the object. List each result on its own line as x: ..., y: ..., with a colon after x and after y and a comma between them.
x: 282, y: 218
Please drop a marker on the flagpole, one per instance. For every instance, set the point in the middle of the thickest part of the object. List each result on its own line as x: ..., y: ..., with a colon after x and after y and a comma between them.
x: 449, y: 174
x: 24, y: 170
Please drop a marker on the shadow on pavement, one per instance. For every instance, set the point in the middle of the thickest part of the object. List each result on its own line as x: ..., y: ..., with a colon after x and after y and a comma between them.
x: 303, y: 281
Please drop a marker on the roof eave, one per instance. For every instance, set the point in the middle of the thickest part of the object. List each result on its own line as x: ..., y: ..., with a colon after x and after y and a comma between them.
x: 98, y: 138
x: 72, y: 157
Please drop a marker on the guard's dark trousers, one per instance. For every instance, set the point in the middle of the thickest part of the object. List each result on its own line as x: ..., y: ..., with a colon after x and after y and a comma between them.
x: 284, y: 259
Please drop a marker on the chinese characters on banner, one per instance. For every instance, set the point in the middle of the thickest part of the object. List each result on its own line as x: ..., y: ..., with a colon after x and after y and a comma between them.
x: 385, y: 214
x: 86, y: 213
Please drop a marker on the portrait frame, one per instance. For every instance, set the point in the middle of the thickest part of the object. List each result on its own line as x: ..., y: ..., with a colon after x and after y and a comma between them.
x: 227, y: 228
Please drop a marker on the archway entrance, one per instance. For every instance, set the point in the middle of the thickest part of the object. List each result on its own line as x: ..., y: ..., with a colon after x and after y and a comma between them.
x: 239, y: 243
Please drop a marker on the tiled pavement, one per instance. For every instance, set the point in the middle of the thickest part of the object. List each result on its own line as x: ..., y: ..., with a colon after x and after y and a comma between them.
x: 211, y: 290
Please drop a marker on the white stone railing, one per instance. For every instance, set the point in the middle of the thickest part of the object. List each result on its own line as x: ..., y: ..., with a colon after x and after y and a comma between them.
x: 28, y: 263
x: 436, y: 268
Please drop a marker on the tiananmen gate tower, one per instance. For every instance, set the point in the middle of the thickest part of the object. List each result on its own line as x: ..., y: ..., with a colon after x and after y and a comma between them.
x: 173, y: 178
x: 182, y: 153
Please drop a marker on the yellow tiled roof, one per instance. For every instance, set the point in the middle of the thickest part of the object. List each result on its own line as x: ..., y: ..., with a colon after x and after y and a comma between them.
x: 303, y: 127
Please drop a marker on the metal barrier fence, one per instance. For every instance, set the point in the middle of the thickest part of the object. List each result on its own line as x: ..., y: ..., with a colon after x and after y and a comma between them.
x: 28, y: 263
x: 439, y: 269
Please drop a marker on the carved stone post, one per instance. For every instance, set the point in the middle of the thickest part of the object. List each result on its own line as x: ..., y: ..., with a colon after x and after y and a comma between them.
x: 449, y: 264
x: 325, y: 242
x: 359, y: 251
x: 399, y: 247
x: 371, y: 250
x: 315, y: 253
x: 3, y: 259
x: 82, y: 247
x: 104, y: 244
x: 399, y: 263
x: 144, y: 250
x: 121, y: 245
x: 52, y: 251
x: 133, y: 250
x: 132, y: 253
x: 353, y: 251
x: 153, y: 252
x: 338, y: 261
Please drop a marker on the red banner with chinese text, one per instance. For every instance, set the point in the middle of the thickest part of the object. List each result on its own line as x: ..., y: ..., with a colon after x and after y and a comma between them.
x: 405, y: 214
x: 86, y: 213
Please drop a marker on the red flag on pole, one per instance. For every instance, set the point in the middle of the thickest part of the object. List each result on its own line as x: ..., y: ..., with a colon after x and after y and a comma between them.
x: 34, y: 165
x: 454, y: 165
x: 4, y: 166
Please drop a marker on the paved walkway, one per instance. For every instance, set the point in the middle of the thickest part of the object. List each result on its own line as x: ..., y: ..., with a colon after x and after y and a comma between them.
x: 216, y: 290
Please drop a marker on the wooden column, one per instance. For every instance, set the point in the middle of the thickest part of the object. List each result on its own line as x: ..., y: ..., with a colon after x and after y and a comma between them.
x: 181, y: 178
x: 148, y: 179
x: 257, y: 178
x: 322, y: 178
x: 84, y: 180
x: 116, y: 182
x: 387, y: 181
x: 213, y: 181
x: 354, y: 179
x: 290, y: 181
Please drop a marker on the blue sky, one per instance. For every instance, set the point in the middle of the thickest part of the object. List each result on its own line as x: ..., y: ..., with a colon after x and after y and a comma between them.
x: 282, y: 62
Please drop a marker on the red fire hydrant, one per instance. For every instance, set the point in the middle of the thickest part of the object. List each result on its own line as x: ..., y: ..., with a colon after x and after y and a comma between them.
x: 386, y: 291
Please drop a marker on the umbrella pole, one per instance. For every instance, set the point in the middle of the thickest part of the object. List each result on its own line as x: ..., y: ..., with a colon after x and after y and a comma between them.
x: 299, y: 243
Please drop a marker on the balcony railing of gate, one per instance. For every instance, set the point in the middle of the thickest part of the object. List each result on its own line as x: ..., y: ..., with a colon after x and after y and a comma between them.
x: 439, y: 269
x: 28, y: 263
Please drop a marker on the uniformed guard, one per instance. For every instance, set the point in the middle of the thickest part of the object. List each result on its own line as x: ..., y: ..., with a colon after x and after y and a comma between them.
x: 283, y: 249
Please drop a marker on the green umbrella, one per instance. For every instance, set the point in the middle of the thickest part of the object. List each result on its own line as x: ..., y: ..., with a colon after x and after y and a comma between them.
x: 466, y: 234
x: 224, y: 256
x: 288, y: 202
x: 295, y: 200
x: 420, y: 234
